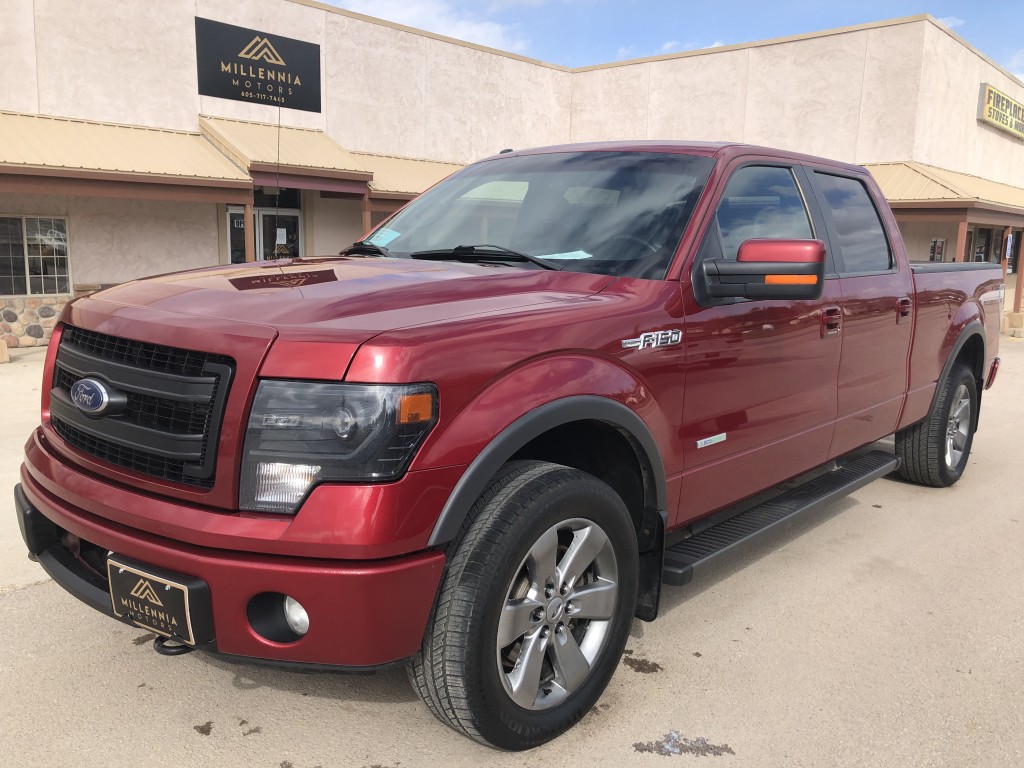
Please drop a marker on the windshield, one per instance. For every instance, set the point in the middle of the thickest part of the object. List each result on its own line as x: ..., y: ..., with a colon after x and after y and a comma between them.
x: 612, y: 213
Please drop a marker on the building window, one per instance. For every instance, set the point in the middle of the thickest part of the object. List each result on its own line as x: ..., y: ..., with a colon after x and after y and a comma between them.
x: 33, y: 256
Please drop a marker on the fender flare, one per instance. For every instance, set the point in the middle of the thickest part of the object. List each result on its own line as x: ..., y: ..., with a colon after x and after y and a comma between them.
x: 478, y: 474
x: 973, y: 328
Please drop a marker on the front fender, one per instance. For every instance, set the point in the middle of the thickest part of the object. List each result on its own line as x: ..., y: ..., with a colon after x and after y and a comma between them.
x: 528, y: 402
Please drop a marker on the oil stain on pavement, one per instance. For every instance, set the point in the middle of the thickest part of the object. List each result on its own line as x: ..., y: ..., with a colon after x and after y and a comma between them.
x: 674, y: 744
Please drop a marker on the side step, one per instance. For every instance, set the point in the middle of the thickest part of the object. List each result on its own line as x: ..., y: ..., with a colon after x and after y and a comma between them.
x: 735, y: 535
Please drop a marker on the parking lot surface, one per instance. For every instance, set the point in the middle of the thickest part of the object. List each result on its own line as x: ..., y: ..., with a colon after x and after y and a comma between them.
x: 885, y: 632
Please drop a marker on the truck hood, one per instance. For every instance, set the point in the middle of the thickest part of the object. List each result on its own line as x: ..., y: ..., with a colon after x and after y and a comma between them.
x: 350, y: 299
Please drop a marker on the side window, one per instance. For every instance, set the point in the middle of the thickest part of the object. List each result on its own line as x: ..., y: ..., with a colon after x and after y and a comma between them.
x: 760, y: 202
x: 862, y: 239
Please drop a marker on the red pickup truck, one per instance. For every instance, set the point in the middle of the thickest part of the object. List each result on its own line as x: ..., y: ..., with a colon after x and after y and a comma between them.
x: 479, y: 440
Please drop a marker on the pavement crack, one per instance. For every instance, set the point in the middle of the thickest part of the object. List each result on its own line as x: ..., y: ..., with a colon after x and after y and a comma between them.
x: 5, y: 588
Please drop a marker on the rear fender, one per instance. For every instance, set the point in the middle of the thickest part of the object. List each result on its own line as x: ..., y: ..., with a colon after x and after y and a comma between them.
x: 966, y: 326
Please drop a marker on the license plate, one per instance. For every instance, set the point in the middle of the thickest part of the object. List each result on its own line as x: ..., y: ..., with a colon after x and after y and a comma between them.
x: 156, y: 602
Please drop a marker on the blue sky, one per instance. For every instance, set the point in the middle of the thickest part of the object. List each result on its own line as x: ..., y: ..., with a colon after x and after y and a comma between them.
x: 578, y: 33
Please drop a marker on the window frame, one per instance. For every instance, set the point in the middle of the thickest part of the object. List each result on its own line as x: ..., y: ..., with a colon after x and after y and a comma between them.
x: 812, y: 173
x: 815, y: 218
x: 25, y: 255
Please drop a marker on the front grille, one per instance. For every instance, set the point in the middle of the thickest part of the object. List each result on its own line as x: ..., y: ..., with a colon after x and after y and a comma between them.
x: 168, y: 428
x: 159, y: 412
x: 140, y: 354
x: 140, y: 461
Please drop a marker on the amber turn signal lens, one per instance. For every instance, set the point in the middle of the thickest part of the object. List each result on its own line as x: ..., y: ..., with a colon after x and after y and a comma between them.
x: 790, y: 279
x: 414, y: 409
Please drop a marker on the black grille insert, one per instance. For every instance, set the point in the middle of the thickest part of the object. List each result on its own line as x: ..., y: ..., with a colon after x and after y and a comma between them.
x: 175, y: 402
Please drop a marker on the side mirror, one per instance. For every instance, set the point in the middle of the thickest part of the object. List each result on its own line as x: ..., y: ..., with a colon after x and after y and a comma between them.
x: 792, y: 270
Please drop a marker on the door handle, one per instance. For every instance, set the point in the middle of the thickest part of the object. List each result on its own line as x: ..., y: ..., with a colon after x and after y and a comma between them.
x: 903, y: 308
x: 831, y: 321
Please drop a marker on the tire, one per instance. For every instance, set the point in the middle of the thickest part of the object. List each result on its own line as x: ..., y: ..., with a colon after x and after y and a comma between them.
x: 935, y: 450
x: 557, y: 648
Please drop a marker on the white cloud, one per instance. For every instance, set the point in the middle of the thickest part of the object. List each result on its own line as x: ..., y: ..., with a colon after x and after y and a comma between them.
x: 716, y: 44
x: 669, y: 47
x: 952, y: 21
x: 625, y: 52
x: 444, y: 18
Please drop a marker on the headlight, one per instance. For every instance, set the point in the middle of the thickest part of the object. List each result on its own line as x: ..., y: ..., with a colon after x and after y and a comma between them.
x: 301, y: 433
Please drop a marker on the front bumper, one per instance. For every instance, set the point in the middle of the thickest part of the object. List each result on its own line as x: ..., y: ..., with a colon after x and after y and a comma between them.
x: 362, y: 613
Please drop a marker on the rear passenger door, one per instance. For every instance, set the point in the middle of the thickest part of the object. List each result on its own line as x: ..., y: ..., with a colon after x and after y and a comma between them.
x: 877, y: 310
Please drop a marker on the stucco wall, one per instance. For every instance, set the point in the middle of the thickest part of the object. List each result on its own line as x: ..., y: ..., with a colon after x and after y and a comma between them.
x: 113, y: 241
x: 949, y: 134
x: 918, y: 235
x: 849, y: 96
x: 18, y: 42
x: 904, y: 91
x: 383, y: 89
x: 334, y: 223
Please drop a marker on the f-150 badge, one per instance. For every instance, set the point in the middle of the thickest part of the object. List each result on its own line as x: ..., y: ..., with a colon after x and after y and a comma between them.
x: 653, y: 339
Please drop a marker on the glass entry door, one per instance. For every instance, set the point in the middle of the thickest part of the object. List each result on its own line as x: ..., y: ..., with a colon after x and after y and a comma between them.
x: 278, y: 234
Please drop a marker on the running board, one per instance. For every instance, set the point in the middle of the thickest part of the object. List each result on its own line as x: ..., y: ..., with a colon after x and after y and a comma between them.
x: 735, y: 535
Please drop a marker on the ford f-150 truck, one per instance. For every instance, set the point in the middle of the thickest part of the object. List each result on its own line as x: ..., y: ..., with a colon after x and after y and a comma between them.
x: 481, y: 439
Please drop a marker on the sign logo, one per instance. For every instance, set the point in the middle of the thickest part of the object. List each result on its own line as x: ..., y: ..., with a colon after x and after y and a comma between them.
x: 652, y: 339
x: 255, y: 66
x: 261, y: 48
x: 1000, y: 111
x: 90, y: 396
x: 283, y: 280
x: 144, y: 591
x: 713, y: 440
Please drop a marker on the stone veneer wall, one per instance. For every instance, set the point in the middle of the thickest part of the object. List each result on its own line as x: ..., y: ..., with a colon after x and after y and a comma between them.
x: 29, y: 321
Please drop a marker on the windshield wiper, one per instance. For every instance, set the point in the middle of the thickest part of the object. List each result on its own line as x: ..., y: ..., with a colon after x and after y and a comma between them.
x: 365, y: 248
x: 482, y: 252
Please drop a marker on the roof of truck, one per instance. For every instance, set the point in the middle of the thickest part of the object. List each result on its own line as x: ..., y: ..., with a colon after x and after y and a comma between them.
x: 717, y: 149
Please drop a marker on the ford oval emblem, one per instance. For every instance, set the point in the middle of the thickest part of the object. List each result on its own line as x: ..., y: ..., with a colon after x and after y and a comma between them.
x: 90, y: 396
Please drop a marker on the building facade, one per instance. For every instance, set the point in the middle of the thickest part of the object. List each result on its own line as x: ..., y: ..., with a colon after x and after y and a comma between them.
x: 152, y: 137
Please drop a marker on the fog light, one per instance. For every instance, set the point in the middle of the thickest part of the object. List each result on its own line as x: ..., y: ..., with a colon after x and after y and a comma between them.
x: 296, y: 616
x: 278, y: 487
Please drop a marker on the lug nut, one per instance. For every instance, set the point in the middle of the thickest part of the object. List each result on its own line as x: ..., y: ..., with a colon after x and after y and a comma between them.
x: 565, y: 589
x: 537, y: 615
x: 545, y: 632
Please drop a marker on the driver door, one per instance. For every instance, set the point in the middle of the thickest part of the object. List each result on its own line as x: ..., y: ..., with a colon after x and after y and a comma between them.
x: 761, y: 375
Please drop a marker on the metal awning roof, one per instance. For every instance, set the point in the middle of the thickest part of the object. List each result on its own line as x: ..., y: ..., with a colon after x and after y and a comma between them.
x: 310, y: 159
x: 54, y: 146
x: 403, y: 177
x: 907, y: 184
x: 263, y: 148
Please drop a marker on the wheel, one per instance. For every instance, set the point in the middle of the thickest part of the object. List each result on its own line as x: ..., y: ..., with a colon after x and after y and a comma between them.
x: 935, y: 451
x: 534, y: 609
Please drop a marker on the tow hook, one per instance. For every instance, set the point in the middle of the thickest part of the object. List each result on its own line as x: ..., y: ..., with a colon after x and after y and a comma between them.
x: 164, y: 647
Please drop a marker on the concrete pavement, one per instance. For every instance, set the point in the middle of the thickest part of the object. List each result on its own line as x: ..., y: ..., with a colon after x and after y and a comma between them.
x: 885, y: 633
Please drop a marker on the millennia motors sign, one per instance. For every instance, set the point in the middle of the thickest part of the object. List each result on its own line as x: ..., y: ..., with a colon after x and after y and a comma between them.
x: 249, y: 65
